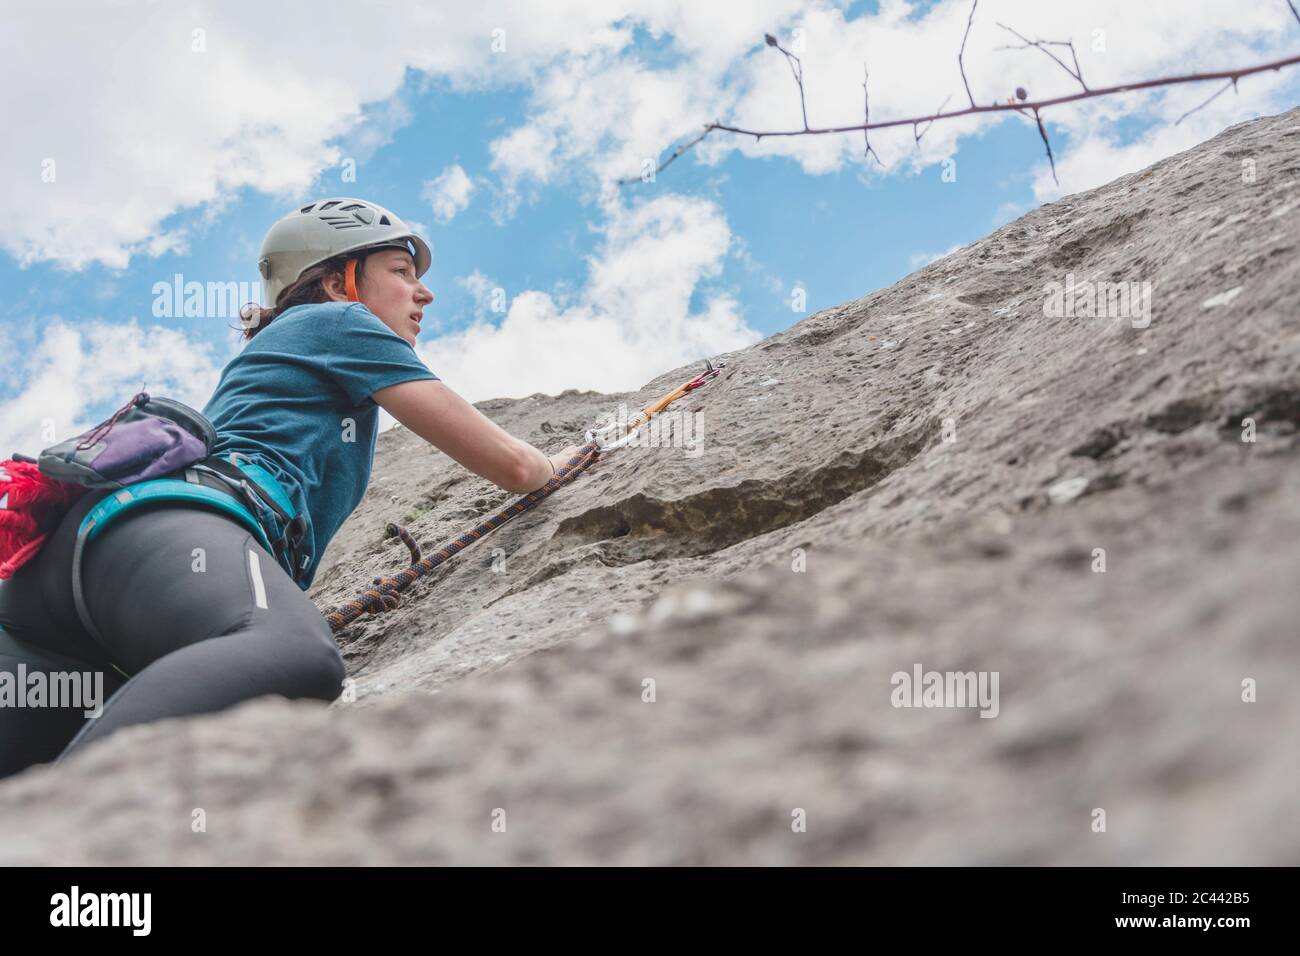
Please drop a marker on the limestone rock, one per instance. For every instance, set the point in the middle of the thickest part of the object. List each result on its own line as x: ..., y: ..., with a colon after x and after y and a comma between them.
x: 672, y: 660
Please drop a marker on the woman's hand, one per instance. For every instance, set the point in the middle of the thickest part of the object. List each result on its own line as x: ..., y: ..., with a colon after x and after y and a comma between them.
x: 561, y: 458
x: 455, y: 427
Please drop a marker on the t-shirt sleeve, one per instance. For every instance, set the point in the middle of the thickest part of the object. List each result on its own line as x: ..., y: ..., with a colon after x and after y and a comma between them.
x: 366, y: 356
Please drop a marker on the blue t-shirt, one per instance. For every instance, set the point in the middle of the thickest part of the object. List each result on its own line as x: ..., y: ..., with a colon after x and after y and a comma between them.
x: 296, y: 400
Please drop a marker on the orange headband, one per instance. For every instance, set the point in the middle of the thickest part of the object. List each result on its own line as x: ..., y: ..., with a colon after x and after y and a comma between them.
x: 350, y: 277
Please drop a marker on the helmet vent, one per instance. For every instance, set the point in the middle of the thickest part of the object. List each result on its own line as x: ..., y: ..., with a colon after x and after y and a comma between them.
x: 328, y: 205
x: 383, y: 221
x: 354, y: 205
x: 308, y: 208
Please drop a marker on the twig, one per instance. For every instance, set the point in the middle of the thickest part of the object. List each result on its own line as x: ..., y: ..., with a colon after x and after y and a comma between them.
x: 866, y: 119
x: 798, y: 73
x: 962, y: 52
x: 1042, y: 131
x: 677, y: 152
x: 1230, y: 84
x: 1044, y: 44
x: 917, y: 136
x: 1294, y: 10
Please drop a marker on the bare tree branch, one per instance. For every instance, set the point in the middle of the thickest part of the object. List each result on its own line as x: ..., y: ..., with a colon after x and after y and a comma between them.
x: 866, y: 118
x: 1043, y: 45
x: 1024, y: 108
x: 1039, y: 104
x: 1231, y: 84
x: 1010, y: 105
x: 962, y: 52
x: 1042, y: 131
x: 798, y: 73
x: 917, y: 136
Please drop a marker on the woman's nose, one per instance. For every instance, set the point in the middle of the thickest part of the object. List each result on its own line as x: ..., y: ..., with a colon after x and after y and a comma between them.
x: 424, y: 293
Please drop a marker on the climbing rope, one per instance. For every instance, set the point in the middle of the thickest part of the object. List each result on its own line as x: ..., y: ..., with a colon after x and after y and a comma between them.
x: 386, y: 591
x: 647, y: 413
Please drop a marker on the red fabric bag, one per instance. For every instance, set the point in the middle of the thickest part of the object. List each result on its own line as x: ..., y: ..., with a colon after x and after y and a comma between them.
x: 31, y: 506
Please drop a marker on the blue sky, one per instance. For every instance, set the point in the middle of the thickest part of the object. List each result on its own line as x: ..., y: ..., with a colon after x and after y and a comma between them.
x: 834, y: 234
x: 620, y: 283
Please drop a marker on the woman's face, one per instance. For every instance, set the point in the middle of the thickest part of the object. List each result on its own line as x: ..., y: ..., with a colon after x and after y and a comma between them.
x: 389, y: 288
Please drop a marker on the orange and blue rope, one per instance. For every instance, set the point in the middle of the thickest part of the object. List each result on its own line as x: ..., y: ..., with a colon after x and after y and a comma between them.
x: 386, y: 591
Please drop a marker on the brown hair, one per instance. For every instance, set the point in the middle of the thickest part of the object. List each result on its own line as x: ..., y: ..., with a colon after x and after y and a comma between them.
x: 307, y: 289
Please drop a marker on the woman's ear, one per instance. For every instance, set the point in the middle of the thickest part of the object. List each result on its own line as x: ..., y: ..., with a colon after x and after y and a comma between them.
x: 335, y: 286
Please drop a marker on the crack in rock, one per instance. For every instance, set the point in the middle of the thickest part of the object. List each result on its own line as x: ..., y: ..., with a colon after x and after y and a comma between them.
x: 640, y: 527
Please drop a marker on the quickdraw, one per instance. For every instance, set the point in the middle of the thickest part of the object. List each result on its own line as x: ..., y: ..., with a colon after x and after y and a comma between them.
x: 650, y: 411
x: 385, y: 593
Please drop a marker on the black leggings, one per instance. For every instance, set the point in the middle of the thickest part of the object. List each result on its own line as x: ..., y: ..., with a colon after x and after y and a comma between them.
x: 191, y: 607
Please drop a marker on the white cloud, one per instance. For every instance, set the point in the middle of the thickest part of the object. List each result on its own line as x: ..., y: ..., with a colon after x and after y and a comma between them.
x: 73, y: 372
x: 382, y: 122
x: 600, y: 115
x: 449, y: 193
x: 630, y: 321
x: 140, y: 124
x: 602, y: 111
x: 480, y: 287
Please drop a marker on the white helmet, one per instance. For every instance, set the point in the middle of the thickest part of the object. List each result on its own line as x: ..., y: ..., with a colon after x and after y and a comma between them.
x: 327, y: 228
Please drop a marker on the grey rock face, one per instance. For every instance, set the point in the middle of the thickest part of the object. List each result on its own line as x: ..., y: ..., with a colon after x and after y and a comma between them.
x: 933, y: 476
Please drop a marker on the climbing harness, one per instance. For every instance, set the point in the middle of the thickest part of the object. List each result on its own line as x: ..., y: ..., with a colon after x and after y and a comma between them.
x: 385, y: 594
x: 150, y: 450
x: 231, y: 484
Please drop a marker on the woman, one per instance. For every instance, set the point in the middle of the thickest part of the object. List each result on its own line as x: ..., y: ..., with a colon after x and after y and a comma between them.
x: 188, y: 631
